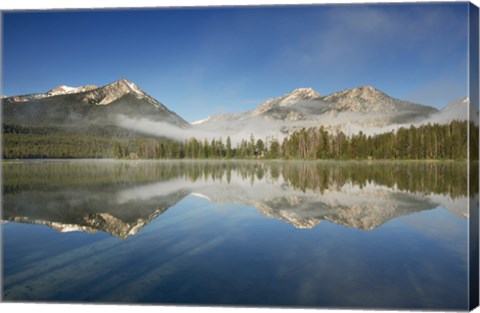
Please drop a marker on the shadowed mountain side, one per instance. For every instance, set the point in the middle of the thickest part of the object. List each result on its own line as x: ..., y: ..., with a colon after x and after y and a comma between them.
x: 98, y: 106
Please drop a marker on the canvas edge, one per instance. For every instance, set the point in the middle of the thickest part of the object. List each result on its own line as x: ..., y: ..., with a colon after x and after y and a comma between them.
x: 473, y: 93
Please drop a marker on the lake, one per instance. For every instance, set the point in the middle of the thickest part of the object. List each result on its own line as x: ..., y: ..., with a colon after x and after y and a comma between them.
x: 380, y: 235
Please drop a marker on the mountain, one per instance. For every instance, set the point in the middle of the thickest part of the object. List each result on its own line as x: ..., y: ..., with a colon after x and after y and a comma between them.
x: 367, y: 99
x: 62, y: 89
x: 124, y: 108
x: 350, y: 111
x: 291, y: 102
x: 457, y: 110
x: 86, y: 105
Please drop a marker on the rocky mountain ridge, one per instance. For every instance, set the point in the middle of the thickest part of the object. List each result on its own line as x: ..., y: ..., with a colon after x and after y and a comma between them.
x: 124, y: 104
x: 63, y: 89
x: 69, y: 106
x: 308, y: 104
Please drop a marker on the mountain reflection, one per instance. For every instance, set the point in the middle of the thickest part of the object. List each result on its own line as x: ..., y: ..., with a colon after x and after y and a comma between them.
x: 121, y: 197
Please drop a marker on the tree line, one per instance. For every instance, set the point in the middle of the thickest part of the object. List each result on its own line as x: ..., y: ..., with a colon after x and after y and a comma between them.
x: 414, y: 143
x: 431, y: 141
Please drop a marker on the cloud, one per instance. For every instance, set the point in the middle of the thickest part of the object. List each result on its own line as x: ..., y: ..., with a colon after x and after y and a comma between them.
x: 214, y: 130
x: 352, y: 38
x: 162, y: 129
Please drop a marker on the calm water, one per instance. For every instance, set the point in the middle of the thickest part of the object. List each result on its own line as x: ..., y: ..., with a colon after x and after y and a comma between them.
x: 346, y: 235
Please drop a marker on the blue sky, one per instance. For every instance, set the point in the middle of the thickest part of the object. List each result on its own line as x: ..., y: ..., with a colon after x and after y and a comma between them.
x: 202, y: 61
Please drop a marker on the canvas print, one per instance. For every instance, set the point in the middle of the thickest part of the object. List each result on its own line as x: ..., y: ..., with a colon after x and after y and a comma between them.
x: 300, y: 156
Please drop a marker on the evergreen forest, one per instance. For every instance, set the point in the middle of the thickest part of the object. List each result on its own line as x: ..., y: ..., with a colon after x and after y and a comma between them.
x: 426, y: 142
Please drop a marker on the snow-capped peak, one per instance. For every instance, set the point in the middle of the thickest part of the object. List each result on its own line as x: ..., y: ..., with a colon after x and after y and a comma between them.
x: 363, y: 92
x: 304, y: 93
x: 62, y: 89
x: 456, y: 110
x: 364, y: 99
x: 118, y: 89
x: 200, y: 121
x: 465, y: 101
x: 131, y: 86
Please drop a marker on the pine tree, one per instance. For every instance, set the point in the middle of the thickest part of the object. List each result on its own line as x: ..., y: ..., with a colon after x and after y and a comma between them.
x: 228, y: 152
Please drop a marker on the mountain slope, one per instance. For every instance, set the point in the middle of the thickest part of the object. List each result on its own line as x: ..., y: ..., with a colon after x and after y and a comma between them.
x: 367, y: 100
x: 457, y: 110
x: 308, y: 104
x: 350, y: 111
x: 124, y: 107
x: 87, y: 105
x: 63, y: 89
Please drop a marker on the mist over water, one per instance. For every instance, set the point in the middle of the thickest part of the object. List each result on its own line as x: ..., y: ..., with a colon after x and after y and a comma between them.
x: 308, y: 234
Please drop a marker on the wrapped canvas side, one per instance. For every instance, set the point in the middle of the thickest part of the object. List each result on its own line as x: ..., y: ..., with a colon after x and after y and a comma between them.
x: 473, y: 155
